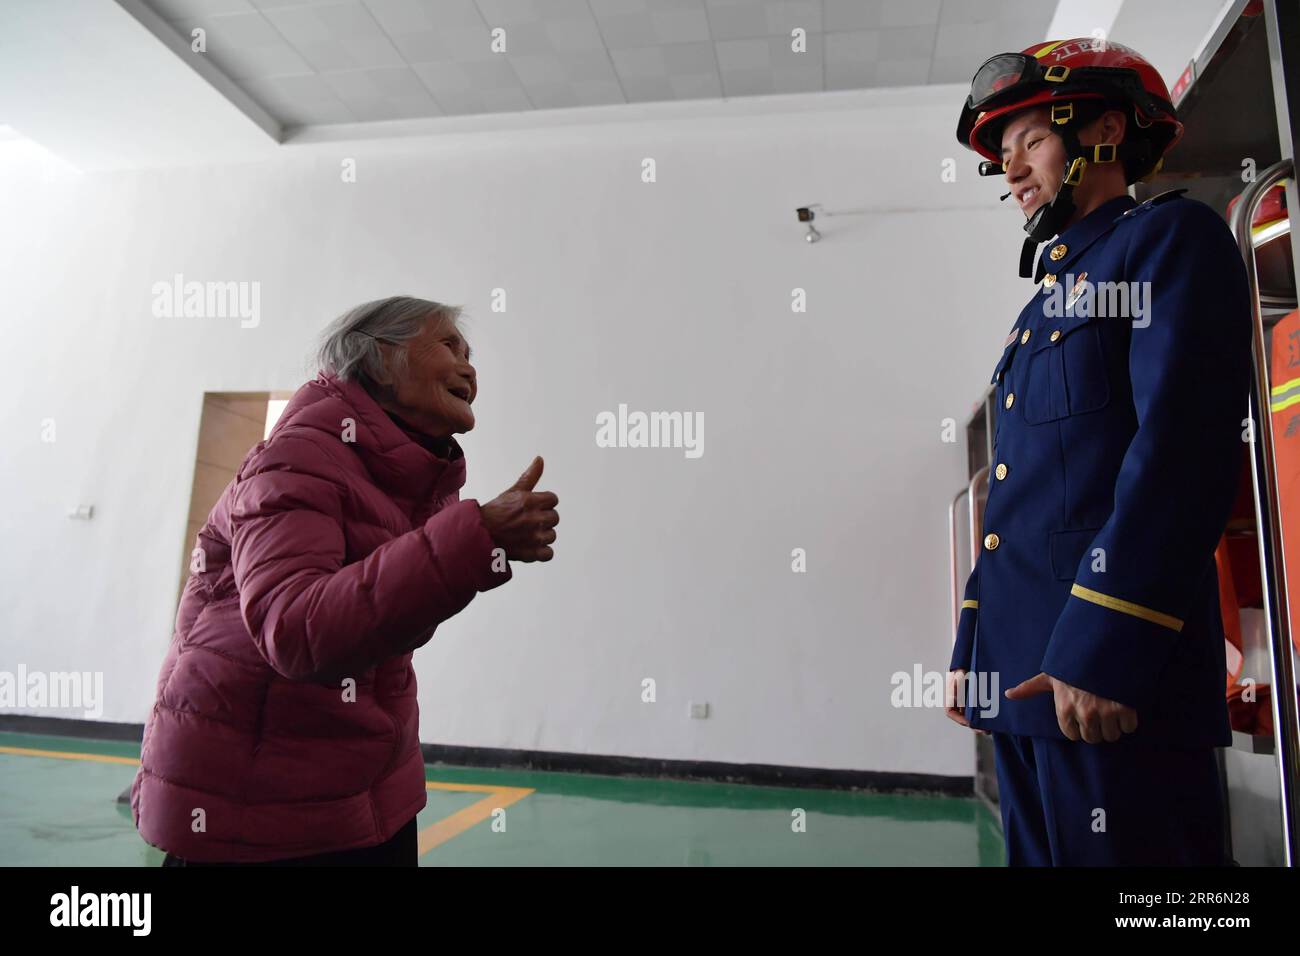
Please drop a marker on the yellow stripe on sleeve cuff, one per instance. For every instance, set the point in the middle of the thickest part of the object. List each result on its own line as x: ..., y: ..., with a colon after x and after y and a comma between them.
x: 966, y: 604
x: 1127, y: 607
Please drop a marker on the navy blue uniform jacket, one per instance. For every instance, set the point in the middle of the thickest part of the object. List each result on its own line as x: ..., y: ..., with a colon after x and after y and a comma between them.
x: 1116, y: 456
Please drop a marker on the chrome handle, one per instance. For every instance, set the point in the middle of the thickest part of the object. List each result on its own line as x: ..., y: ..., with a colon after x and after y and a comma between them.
x: 1268, y: 509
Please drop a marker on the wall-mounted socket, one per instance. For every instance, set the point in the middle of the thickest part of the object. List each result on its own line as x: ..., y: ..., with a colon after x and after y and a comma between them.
x: 699, y: 711
x: 81, y: 512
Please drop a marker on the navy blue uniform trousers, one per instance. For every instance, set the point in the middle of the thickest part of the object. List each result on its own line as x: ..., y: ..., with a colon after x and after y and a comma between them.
x: 1127, y: 803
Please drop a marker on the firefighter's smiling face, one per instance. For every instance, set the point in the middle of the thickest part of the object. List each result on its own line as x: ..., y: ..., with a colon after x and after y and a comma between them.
x: 1034, y: 157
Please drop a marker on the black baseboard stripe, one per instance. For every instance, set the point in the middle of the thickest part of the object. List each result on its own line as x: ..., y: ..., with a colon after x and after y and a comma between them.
x: 766, y: 775
x: 70, y: 727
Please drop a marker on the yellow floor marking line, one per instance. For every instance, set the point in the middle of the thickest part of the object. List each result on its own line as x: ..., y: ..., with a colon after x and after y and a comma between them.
x: 498, y: 798
x: 468, y: 787
x: 66, y: 755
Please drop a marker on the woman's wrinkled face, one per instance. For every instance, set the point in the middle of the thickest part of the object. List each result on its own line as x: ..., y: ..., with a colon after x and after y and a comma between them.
x: 435, y: 392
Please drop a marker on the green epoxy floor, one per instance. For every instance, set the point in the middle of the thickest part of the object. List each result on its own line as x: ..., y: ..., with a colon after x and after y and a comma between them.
x: 58, y: 811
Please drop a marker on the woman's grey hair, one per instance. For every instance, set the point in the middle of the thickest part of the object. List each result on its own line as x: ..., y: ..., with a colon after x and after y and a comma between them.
x: 350, y: 344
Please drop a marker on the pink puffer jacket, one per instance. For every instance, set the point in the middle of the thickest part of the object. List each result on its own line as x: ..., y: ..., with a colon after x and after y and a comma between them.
x: 285, y: 722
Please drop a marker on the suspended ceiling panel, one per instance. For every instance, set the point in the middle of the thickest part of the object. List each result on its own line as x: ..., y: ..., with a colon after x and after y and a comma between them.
x: 321, y: 62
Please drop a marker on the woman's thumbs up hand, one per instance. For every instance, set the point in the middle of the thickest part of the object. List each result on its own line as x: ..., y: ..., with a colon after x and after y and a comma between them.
x: 521, y: 520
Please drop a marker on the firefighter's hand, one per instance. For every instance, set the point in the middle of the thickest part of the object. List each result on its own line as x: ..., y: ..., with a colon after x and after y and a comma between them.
x: 1078, y: 712
x: 951, y: 708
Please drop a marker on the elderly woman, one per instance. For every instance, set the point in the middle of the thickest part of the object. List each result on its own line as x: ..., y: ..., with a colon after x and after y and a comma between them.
x: 285, y: 724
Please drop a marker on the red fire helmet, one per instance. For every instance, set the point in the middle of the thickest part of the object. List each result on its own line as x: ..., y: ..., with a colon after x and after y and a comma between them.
x: 1064, y: 71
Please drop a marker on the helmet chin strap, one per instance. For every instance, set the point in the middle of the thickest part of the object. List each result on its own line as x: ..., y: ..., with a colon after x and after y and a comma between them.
x: 1050, y: 218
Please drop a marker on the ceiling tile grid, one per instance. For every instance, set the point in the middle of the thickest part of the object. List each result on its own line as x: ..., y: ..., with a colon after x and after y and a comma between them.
x: 310, y: 62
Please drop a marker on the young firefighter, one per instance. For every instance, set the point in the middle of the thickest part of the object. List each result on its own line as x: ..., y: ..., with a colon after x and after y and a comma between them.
x: 1122, y: 389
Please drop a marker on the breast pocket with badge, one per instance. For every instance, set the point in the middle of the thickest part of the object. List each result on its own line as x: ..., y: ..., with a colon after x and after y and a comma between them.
x: 1065, y: 369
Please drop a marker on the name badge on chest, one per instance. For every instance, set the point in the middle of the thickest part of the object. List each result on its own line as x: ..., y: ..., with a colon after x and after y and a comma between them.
x: 1079, y: 287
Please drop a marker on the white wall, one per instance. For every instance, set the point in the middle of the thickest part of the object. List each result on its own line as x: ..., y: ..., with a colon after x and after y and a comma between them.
x: 822, y: 430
